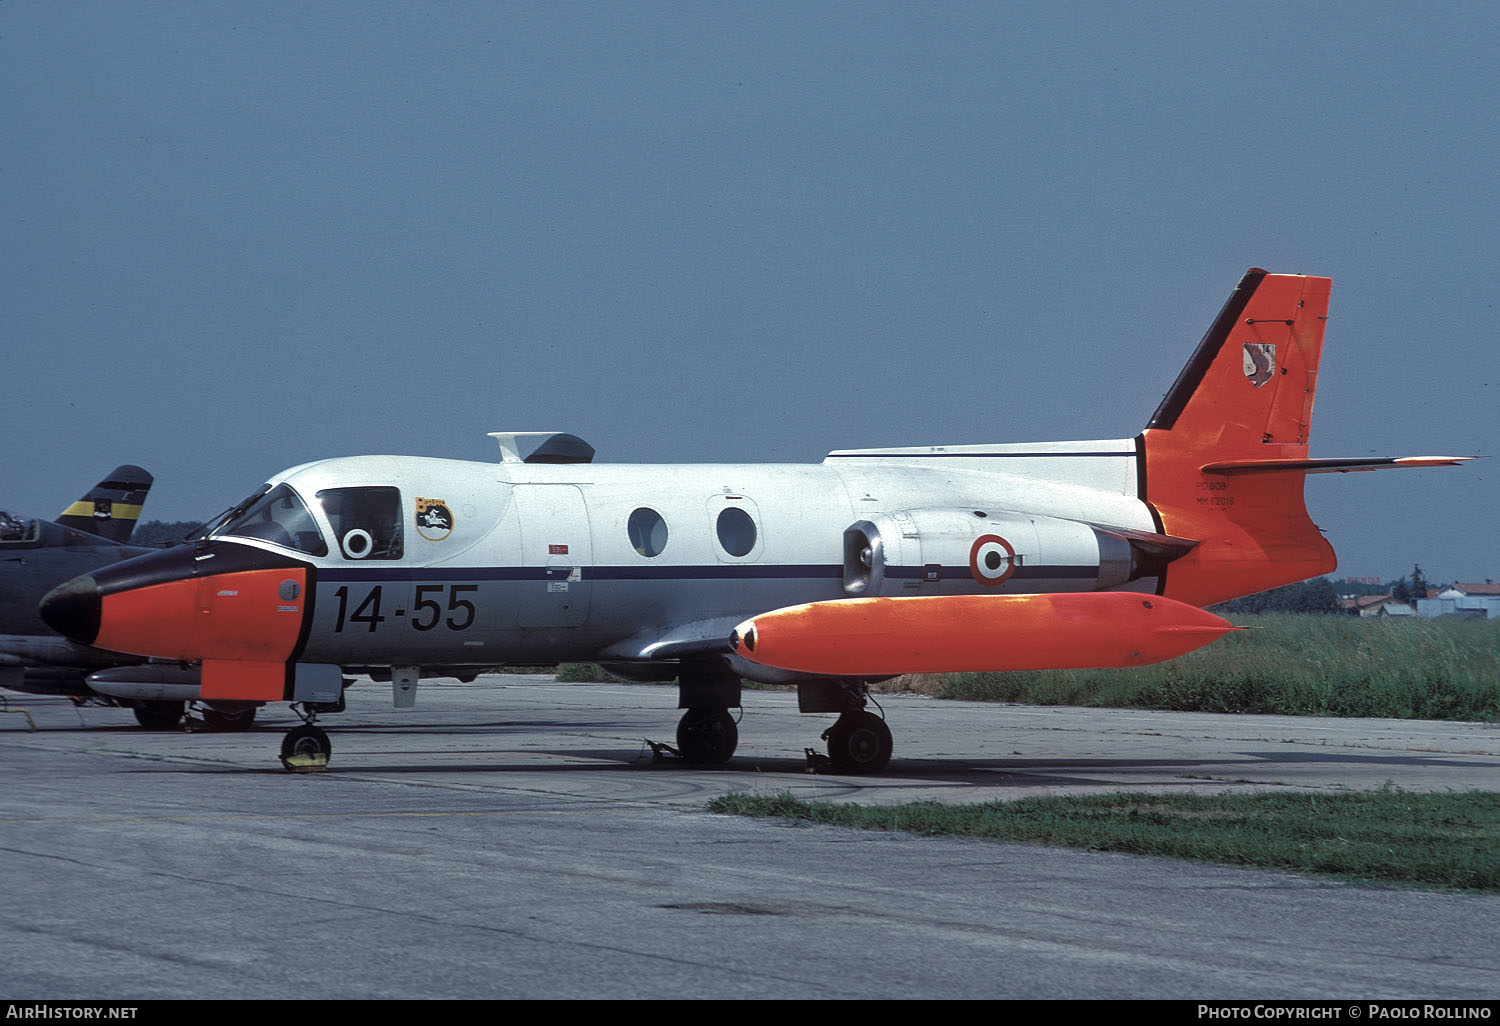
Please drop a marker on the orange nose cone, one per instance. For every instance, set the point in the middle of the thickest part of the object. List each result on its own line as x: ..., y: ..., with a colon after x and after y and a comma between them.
x: 168, y: 605
x: 155, y: 620
x: 949, y: 634
x: 240, y: 615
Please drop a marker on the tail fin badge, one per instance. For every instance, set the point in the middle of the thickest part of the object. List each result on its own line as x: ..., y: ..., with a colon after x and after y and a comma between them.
x: 1260, y: 362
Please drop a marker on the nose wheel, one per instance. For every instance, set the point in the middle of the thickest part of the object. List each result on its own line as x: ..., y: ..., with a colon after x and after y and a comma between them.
x: 305, y: 749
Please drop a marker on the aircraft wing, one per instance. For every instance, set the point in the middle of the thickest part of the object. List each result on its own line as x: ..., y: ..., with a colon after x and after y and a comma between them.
x: 900, y: 618
x: 696, y: 638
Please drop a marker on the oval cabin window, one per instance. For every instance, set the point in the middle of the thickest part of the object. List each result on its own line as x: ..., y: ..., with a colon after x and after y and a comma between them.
x: 648, y: 531
x: 736, y: 531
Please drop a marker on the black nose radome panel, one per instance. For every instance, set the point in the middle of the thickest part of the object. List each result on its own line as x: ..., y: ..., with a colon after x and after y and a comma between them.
x: 72, y: 609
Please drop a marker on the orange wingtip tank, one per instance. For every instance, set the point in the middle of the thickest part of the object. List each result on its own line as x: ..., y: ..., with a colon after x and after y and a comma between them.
x: 873, y: 637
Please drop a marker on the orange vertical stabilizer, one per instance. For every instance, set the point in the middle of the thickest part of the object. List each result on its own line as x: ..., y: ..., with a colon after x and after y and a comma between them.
x: 1246, y: 394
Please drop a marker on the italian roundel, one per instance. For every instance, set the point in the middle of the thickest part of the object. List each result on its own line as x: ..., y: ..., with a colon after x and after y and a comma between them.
x: 992, y: 560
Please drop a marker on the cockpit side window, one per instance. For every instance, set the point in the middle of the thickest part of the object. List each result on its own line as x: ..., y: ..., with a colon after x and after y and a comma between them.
x: 17, y: 530
x: 279, y: 517
x: 366, y: 521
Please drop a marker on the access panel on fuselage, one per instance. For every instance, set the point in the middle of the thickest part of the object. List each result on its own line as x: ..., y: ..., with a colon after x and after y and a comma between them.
x: 555, y: 541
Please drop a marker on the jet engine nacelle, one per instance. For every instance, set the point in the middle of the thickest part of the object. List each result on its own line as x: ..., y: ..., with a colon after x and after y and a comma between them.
x: 952, y: 551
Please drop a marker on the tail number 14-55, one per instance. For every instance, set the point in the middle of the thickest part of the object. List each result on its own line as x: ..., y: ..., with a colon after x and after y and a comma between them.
x: 427, y: 611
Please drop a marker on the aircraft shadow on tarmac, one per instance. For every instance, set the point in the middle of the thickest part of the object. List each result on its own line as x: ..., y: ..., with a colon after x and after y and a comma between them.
x: 982, y: 774
x: 421, y: 748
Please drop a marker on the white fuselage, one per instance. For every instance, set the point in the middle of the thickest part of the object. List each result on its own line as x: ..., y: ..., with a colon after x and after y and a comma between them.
x: 517, y: 562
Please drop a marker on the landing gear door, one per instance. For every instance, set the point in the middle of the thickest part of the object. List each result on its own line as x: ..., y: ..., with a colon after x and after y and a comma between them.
x: 556, y: 553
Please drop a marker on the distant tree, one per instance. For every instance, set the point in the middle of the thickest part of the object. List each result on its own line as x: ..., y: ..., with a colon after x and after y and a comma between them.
x: 1418, y: 583
x: 162, y: 532
x: 1316, y: 596
x: 1410, y: 589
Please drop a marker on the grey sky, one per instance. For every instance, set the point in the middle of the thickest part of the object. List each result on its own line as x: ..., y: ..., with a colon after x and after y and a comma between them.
x: 243, y: 236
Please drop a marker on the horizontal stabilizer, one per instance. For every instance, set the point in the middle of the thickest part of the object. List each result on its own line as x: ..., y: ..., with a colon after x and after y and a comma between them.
x: 1332, y: 466
x: 878, y: 637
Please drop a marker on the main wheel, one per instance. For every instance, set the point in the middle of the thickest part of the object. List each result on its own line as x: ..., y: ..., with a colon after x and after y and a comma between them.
x: 305, y: 748
x: 228, y: 718
x: 707, y: 736
x: 859, y: 742
x: 159, y: 715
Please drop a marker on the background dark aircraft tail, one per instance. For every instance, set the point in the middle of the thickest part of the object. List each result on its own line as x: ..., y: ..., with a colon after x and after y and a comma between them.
x: 112, y: 507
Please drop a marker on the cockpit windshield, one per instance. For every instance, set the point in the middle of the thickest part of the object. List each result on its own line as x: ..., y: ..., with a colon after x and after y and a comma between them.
x: 17, y: 529
x: 277, y: 516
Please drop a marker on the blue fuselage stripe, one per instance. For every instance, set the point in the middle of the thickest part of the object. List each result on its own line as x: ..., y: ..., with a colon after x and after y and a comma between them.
x: 727, y: 572
x: 969, y: 455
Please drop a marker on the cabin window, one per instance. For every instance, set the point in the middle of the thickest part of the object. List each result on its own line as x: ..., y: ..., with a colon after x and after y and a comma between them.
x: 648, y: 531
x: 278, y: 517
x: 736, y: 531
x: 366, y: 522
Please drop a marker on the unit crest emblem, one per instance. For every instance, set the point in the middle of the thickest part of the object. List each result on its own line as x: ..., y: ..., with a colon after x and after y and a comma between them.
x: 1260, y: 362
x: 434, y: 519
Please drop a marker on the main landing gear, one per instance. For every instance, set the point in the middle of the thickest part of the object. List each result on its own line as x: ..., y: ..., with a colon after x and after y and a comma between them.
x: 707, y: 736
x: 229, y: 717
x: 154, y: 715
x: 859, y: 742
x: 225, y: 717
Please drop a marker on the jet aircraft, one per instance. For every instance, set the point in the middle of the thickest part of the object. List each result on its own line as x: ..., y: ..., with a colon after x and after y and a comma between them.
x: 873, y: 563
x: 37, y: 555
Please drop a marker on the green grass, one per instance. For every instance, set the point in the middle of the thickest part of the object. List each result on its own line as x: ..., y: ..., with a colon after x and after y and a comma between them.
x: 1449, y: 840
x: 1289, y: 664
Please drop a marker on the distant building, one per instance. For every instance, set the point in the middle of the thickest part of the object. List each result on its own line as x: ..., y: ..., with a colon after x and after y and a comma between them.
x: 1463, y: 599
x: 1375, y: 605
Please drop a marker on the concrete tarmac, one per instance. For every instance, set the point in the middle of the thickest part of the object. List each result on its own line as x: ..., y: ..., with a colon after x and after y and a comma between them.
x: 514, y: 839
